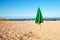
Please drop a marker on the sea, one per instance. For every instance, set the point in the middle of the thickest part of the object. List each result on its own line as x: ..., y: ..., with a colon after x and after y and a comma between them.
x: 29, y: 19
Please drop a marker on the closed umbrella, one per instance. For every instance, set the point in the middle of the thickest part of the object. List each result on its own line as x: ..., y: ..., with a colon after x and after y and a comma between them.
x: 39, y: 17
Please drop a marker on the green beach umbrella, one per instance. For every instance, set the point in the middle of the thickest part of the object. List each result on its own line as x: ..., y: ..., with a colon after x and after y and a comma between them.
x: 39, y: 17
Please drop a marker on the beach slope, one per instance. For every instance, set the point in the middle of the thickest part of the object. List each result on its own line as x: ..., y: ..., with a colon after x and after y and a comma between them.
x: 29, y: 30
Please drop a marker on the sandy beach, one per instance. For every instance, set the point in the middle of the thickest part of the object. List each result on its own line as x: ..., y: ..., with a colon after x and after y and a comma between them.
x: 29, y: 30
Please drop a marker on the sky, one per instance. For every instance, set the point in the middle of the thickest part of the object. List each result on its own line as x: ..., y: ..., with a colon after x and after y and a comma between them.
x: 28, y: 8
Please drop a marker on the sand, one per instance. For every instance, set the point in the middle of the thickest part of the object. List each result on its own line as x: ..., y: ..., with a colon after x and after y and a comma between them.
x: 29, y: 30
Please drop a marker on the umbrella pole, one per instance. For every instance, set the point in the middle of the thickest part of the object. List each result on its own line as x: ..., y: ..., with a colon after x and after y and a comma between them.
x: 40, y: 26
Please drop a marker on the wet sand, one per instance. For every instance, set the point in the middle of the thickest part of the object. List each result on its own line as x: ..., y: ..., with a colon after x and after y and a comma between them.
x: 29, y: 30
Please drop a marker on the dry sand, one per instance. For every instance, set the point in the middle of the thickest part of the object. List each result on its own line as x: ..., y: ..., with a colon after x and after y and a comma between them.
x: 29, y: 30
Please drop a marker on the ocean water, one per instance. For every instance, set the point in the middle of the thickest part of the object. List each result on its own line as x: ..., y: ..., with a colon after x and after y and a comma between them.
x: 51, y: 19
x: 28, y: 19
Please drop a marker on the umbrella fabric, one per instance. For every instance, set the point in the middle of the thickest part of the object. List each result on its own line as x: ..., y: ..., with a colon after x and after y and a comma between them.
x: 39, y: 17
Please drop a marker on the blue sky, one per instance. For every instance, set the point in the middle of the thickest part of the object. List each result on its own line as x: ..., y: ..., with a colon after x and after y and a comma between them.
x: 28, y: 8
